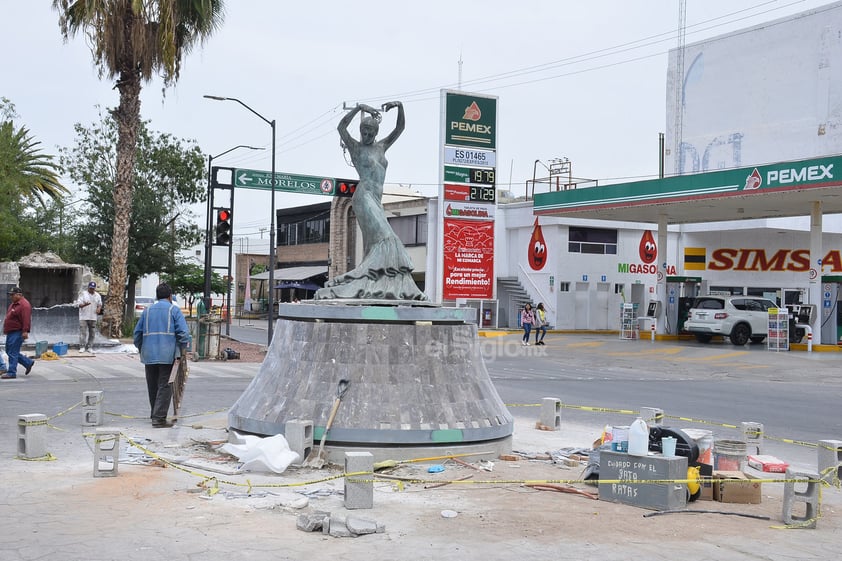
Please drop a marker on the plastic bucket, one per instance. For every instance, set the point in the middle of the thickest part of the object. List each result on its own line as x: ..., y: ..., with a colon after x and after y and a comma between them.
x: 729, y: 455
x: 40, y: 348
x: 704, y: 440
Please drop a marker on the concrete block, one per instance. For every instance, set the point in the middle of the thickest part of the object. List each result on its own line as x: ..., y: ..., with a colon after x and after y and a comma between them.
x: 551, y: 413
x: 652, y: 415
x: 753, y: 436
x: 359, y: 494
x: 312, y: 522
x: 360, y: 526
x: 619, y: 473
x: 830, y: 460
x: 809, y: 496
x: 299, y: 435
x: 92, y: 408
x: 32, y: 435
x: 338, y: 528
x: 106, y: 452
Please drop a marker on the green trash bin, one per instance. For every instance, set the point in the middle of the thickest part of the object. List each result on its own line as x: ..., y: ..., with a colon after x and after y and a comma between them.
x: 40, y: 348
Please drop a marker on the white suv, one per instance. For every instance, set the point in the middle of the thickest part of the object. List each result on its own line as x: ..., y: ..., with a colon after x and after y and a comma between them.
x: 740, y: 318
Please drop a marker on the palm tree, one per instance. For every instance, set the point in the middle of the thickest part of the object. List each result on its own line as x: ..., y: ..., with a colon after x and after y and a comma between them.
x: 24, y: 170
x: 131, y: 41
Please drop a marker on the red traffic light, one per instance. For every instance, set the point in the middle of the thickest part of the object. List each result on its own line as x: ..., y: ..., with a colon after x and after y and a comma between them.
x: 345, y: 187
x: 223, y: 227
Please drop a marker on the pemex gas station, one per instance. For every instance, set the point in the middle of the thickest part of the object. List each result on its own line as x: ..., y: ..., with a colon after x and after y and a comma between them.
x: 719, y: 202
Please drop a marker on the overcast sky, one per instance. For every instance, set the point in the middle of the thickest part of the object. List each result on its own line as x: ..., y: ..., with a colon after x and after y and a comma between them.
x: 582, y: 80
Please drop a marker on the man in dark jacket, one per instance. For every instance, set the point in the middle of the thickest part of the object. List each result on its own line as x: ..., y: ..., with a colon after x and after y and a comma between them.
x: 16, y: 326
x: 161, y: 335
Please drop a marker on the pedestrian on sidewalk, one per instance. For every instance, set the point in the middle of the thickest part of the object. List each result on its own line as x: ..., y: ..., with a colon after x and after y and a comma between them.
x: 90, y: 306
x: 527, y: 318
x: 540, y: 323
x: 161, y: 336
x: 16, y: 326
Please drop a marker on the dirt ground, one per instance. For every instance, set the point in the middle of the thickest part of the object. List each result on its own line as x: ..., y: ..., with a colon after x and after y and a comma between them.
x: 249, y: 352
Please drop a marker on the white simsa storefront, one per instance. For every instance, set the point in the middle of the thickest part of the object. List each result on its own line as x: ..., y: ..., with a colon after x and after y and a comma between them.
x: 592, y: 267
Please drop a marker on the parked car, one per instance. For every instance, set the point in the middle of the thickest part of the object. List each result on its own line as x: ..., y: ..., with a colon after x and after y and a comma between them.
x: 141, y: 303
x: 740, y: 318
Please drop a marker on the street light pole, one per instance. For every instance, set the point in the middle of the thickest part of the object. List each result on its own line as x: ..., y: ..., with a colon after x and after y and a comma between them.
x: 209, y: 224
x: 271, y: 296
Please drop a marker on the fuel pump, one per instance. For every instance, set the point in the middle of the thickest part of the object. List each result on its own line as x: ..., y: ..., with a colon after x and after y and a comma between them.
x: 830, y: 315
x: 681, y: 292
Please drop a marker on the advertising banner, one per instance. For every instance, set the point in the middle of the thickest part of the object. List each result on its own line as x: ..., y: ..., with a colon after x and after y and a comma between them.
x: 468, y: 259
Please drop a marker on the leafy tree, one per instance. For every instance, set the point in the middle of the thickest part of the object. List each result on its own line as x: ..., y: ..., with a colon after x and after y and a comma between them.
x: 168, y: 177
x: 131, y: 41
x: 189, y: 279
x: 29, y: 188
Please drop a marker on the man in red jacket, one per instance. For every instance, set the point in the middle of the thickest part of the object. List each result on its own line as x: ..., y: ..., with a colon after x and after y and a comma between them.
x: 16, y: 326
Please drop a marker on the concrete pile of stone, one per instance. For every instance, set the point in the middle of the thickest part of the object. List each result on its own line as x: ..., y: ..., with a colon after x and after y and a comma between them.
x: 337, y: 525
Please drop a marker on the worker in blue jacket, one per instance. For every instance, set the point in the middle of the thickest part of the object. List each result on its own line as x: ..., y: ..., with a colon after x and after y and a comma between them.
x: 161, y: 336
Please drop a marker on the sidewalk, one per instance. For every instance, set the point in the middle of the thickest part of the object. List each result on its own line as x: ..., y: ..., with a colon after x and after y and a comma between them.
x: 58, y: 509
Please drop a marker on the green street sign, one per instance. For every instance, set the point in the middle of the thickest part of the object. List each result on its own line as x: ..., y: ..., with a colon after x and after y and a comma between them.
x: 306, y: 184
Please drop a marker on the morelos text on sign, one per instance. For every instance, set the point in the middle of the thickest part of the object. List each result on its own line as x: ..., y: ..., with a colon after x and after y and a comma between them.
x: 470, y: 156
x: 306, y: 184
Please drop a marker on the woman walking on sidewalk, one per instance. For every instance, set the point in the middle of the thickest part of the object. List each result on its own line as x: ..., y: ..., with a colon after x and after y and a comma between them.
x: 527, y: 318
x: 540, y: 323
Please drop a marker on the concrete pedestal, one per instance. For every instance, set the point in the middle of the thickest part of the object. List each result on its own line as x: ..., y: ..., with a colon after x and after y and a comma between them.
x: 417, y: 379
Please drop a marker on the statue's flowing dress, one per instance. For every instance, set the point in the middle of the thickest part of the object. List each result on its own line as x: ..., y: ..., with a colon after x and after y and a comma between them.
x: 385, y: 272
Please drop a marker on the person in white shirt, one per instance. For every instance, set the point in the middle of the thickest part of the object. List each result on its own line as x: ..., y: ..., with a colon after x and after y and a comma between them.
x: 90, y: 306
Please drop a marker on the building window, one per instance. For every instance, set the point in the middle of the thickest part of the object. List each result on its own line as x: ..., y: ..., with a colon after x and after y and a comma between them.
x: 311, y: 230
x: 411, y: 230
x: 594, y: 241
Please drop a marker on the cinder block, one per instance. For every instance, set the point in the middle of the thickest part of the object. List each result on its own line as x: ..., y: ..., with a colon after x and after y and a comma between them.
x: 830, y: 460
x: 299, y: 435
x: 753, y: 436
x: 551, y: 413
x: 359, y: 491
x: 809, y: 496
x: 32, y: 435
x: 106, y: 452
x: 652, y: 415
x: 92, y: 408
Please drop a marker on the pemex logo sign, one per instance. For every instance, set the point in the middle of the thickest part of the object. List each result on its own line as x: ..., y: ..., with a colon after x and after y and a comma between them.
x: 470, y: 121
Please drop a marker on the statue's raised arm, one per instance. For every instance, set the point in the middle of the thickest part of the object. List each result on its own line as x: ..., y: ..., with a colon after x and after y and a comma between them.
x: 400, y: 123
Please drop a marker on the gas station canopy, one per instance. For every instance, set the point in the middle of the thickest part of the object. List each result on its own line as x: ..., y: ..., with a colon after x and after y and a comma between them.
x: 765, y: 191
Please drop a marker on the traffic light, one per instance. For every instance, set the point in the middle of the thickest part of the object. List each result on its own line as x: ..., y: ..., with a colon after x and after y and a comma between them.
x: 345, y: 187
x: 223, y: 227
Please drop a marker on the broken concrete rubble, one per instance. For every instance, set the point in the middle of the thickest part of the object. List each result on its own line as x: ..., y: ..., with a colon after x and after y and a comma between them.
x: 337, y: 525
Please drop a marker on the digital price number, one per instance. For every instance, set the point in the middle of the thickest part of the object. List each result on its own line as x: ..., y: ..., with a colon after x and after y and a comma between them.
x: 484, y: 176
x: 483, y: 194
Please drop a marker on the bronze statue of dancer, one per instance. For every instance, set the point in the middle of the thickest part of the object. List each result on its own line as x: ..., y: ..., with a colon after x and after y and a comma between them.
x: 385, y: 272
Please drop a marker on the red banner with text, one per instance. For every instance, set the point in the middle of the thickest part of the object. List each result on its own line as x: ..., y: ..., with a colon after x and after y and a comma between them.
x: 468, y: 259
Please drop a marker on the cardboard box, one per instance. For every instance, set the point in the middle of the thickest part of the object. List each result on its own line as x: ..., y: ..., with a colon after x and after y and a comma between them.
x: 769, y: 464
x: 735, y: 487
x: 707, y: 489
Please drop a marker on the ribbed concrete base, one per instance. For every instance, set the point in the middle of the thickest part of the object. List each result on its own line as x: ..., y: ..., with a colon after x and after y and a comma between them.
x: 416, y: 376
x: 490, y: 450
